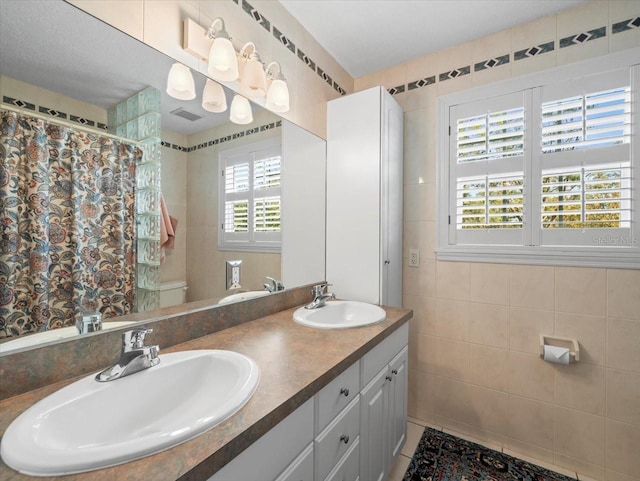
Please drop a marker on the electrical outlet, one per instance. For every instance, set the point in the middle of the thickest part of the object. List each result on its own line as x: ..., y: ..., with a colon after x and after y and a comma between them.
x: 414, y: 257
x: 235, y: 274
x: 233, y: 269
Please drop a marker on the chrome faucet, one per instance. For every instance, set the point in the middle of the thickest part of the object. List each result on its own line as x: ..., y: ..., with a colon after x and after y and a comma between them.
x: 275, y: 286
x: 320, y: 297
x: 89, y: 322
x: 135, y: 356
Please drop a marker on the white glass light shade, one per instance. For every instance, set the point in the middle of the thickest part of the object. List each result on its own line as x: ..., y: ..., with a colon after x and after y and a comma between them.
x: 223, y: 62
x: 253, y: 82
x: 240, y: 111
x: 213, y: 97
x: 180, y: 84
x: 278, y: 96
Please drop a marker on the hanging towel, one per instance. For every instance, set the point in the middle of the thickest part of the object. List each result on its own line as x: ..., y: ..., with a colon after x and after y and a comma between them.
x: 168, y: 226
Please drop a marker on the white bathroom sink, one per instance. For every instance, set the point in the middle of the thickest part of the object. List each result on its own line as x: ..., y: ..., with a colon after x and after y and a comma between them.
x: 340, y: 315
x: 51, y: 335
x: 241, y: 296
x: 91, y: 425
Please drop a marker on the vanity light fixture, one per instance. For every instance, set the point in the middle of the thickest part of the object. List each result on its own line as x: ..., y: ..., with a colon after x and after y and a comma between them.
x: 213, y: 97
x: 240, y: 110
x: 253, y: 81
x: 223, y: 62
x: 180, y: 84
x: 278, y: 92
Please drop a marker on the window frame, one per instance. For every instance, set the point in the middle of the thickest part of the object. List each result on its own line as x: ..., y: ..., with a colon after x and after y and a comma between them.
x: 251, y: 241
x: 607, y: 250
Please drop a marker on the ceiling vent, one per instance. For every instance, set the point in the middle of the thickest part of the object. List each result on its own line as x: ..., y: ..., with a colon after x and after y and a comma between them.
x: 185, y: 114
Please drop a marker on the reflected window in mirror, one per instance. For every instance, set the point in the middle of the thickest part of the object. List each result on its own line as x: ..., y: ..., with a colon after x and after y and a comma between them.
x: 250, y: 197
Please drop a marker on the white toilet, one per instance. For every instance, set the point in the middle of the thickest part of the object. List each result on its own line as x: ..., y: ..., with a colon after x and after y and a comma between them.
x: 173, y: 293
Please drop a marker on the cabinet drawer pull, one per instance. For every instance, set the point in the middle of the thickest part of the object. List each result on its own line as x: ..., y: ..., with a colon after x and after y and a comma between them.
x: 344, y: 438
x: 394, y: 372
x: 344, y: 391
x: 388, y: 378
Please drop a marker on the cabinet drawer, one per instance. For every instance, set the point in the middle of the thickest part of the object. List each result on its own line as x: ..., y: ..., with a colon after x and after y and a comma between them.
x: 274, y: 451
x: 301, y: 469
x: 336, y: 439
x: 348, y: 469
x: 379, y: 356
x: 336, y: 395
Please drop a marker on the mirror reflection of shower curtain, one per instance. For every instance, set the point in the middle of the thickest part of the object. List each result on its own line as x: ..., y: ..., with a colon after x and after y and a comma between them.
x: 67, y: 224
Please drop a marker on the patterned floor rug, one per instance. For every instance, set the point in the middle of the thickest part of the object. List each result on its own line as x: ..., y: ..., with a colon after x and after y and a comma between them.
x: 443, y: 457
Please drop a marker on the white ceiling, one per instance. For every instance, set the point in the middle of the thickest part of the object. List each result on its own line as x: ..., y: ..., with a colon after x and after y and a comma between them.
x: 366, y: 36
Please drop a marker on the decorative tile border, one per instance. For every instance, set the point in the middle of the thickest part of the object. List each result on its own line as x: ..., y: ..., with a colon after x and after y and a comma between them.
x: 226, y: 138
x: 396, y: 90
x: 256, y: 15
x: 583, y: 37
x: 533, y: 51
x: 416, y: 84
x: 625, y: 25
x: 53, y: 113
x: 455, y: 73
x: 81, y: 120
x: 286, y: 41
x: 18, y: 103
x: 492, y: 62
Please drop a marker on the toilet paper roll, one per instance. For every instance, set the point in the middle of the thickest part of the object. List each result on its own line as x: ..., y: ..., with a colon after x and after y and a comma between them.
x: 558, y: 355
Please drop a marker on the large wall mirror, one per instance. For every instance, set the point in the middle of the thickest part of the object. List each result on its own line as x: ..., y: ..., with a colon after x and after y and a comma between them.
x: 60, y: 62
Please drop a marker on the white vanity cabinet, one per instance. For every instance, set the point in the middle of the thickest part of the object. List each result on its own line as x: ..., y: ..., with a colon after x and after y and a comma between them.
x: 337, y: 426
x: 301, y: 469
x: 283, y: 453
x: 364, y: 197
x: 383, y: 413
x: 351, y: 430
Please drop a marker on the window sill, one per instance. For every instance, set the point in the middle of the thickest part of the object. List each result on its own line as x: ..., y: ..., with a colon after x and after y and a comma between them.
x: 267, y: 249
x: 609, y: 257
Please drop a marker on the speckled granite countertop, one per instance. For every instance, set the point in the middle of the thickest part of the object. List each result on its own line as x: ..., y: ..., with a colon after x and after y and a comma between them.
x: 295, y: 363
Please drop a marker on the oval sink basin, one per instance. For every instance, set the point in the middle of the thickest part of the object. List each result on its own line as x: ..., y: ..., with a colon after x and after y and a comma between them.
x: 90, y: 425
x: 340, y: 315
x: 44, y: 337
x: 242, y: 296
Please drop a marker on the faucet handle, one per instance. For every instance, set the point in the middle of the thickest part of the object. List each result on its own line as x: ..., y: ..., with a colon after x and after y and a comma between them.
x: 134, y: 339
x: 318, y: 290
x: 277, y: 285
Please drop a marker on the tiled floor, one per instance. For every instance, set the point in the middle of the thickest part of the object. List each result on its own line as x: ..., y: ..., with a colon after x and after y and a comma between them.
x: 414, y: 432
x: 415, y: 429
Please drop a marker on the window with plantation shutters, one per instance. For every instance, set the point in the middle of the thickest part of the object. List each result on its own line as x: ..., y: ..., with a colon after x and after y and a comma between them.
x: 250, y: 191
x: 543, y: 169
x: 585, y: 159
x: 487, y: 170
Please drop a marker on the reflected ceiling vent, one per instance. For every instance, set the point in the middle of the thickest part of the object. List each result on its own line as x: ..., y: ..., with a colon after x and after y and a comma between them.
x: 185, y: 114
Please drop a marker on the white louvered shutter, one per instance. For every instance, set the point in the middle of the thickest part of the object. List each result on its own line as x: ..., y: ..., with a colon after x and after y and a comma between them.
x: 250, y: 197
x: 487, y: 145
x: 585, y: 160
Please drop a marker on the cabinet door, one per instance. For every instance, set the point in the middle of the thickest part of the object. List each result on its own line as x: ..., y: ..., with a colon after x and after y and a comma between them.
x: 398, y: 403
x: 391, y: 181
x: 374, y: 400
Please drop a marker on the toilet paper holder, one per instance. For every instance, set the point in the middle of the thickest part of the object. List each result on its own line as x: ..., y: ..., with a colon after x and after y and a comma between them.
x: 571, y: 344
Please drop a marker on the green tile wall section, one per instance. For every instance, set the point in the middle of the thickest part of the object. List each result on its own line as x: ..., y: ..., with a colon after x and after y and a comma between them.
x: 138, y: 118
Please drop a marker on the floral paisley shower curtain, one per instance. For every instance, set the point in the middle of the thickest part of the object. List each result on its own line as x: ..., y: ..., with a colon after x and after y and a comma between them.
x: 67, y: 228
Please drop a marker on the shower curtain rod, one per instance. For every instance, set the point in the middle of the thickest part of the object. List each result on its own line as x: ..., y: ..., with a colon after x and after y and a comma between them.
x: 63, y: 123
